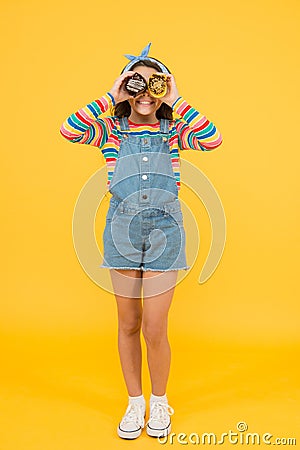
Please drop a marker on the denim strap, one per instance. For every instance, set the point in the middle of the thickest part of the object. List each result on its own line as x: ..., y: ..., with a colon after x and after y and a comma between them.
x: 164, y: 126
x: 124, y: 124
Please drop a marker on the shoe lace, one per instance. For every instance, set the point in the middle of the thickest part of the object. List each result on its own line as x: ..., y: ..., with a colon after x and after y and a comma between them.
x: 160, y: 411
x: 134, y: 413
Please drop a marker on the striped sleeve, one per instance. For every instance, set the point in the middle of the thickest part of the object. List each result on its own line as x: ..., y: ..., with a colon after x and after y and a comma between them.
x: 85, y: 127
x: 195, y: 131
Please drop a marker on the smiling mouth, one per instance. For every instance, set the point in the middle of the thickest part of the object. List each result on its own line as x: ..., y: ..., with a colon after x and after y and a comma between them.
x: 145, y: 102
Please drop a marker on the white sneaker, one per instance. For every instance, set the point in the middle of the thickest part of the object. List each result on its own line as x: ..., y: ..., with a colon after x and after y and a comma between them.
x: 159, y: 423
x: 133, y: 421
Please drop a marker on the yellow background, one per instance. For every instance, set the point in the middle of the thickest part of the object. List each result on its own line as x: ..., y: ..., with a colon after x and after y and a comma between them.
x: 235, y: 339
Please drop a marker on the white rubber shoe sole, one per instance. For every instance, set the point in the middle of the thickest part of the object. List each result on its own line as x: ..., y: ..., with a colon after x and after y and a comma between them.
x: 129, y: 434
x: 155, y: 432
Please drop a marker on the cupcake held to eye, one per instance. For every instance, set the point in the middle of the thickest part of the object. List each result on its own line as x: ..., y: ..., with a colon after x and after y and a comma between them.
x: 136, y: 84
x: 157, y: 85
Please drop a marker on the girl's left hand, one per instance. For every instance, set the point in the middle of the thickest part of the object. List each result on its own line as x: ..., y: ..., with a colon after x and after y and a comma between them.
x: 172, y: 93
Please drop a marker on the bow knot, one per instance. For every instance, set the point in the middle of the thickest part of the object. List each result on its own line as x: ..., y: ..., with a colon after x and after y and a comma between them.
x: 144, y: 54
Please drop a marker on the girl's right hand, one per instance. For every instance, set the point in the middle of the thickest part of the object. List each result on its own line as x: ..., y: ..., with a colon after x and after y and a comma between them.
x: 118, y: 90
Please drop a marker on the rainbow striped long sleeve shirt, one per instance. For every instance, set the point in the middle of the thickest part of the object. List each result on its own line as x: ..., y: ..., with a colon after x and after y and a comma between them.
x: 191, y: 131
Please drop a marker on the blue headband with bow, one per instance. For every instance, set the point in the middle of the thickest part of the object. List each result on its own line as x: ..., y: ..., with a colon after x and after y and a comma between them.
x: 144, y: 56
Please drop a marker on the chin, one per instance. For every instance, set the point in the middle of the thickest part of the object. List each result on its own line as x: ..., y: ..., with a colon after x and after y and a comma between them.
x: 146, y: 113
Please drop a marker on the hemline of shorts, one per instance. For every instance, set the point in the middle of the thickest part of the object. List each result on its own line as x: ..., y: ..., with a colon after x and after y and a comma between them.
x: 141, y: 269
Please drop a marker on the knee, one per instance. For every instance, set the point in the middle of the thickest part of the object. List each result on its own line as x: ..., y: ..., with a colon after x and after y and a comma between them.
x: 154, y: 334
x: 130, y: 325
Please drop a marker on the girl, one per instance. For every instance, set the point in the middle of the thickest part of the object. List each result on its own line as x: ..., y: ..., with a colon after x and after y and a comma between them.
x: 144, y: 235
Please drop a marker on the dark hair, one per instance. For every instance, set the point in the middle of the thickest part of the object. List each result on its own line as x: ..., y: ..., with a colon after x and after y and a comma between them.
x: 123, y: 109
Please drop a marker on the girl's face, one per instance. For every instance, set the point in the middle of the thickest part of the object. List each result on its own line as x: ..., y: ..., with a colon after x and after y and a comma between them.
x: 144, y: 104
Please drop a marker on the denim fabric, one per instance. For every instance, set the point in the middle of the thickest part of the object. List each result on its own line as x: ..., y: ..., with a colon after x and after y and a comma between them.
x: 144, y: 227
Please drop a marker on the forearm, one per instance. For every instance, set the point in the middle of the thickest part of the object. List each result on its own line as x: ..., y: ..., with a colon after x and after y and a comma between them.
x: 77, y: 124
x: 197, y: 131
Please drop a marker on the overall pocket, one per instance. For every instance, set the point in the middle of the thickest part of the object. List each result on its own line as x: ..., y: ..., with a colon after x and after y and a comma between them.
x: 175, y: 217
x: 173, y: 212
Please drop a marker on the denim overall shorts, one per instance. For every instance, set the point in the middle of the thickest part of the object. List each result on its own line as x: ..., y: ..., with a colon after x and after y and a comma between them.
x: 144, y: 227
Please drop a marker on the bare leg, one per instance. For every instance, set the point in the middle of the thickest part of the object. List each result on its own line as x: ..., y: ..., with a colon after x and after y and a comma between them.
x: 157, y: 302
x: 127, y: 286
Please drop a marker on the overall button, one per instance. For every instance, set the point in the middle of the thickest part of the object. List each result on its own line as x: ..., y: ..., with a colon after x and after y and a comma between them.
x: 145, y: 196
x: 145, y: 158
x: 165, y: 139
x: 145, y: 141
x: 144, y: 177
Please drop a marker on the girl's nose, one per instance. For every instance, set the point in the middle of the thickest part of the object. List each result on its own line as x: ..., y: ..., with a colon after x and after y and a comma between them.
x: 145, y: 94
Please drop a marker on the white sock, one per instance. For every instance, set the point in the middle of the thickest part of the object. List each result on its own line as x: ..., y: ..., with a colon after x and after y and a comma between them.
x: 137, y: 399
x: 158, y: 398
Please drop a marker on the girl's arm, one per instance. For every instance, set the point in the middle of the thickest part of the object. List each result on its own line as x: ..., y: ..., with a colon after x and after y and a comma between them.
x: 84, y: 126
x: 195, y: 131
